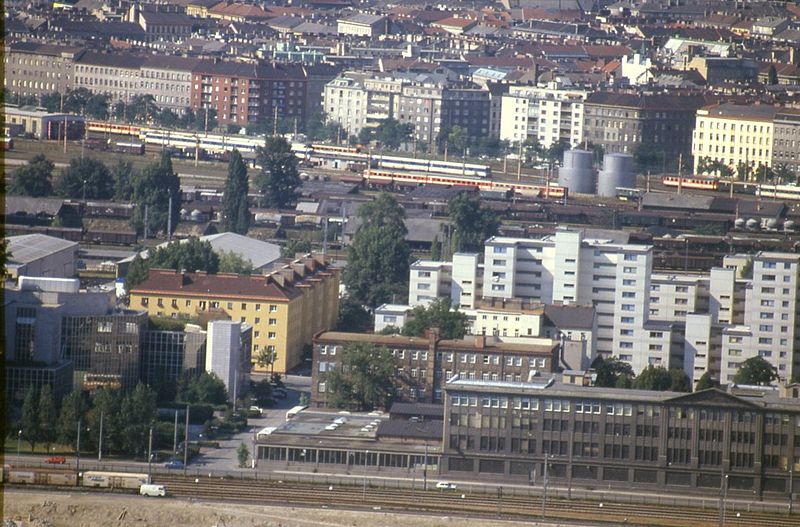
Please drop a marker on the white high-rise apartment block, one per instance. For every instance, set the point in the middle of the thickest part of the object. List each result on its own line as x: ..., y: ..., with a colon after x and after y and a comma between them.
x: 547, y: 114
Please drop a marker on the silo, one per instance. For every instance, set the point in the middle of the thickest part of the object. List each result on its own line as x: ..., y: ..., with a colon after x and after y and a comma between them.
x: 576, y: 173
x: 617, y: 172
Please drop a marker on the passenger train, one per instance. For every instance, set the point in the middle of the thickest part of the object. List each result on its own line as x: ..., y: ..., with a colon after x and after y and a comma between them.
x: 381, y: 177
x: 355, y: 156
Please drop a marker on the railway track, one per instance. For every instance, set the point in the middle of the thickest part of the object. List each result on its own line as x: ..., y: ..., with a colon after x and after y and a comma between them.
x: 456, y: 503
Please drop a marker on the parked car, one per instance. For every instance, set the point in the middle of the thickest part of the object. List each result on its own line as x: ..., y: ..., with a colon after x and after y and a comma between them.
x: 56, y: 460
x: 174, y: 463
x: 445, y: 485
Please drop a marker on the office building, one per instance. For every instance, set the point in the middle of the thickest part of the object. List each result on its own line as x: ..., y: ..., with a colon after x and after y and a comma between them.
x: 424, y: 364
x: 617, y: 438
x: 285, y: 307
x: 786, y: 141
x: 167, y: 354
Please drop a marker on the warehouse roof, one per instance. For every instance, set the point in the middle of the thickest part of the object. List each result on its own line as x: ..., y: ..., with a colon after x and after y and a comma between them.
x: 31, y: 247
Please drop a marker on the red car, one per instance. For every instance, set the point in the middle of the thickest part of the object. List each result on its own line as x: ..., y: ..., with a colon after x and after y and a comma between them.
x: 58, y: 460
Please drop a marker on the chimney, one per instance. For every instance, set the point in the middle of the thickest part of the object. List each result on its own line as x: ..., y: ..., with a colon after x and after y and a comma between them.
x: 480, y: 341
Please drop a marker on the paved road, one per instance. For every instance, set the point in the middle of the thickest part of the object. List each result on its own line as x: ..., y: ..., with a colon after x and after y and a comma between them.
x: 225, y: 457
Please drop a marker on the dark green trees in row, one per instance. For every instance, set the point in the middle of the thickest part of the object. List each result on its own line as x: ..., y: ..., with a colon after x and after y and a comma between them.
x: 126, y: 418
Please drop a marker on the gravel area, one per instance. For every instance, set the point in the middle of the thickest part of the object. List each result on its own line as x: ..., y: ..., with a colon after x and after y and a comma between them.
x: 31, y: 508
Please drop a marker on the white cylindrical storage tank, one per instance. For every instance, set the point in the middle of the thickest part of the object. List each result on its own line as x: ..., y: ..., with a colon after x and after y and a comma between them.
x: 739, y: 223
x: 576, y: 173
x: 752, y: 224
x: 617, y: 172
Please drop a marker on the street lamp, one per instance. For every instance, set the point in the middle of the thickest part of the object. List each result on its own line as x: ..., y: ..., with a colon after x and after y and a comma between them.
x: 19, y: 440
x: 723, y: 495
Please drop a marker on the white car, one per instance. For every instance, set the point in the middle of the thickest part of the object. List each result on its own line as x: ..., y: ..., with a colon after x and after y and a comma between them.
x: 445, y: 485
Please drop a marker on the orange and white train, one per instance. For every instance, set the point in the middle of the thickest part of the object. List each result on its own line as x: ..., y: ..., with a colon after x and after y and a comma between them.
x: 379, y: 177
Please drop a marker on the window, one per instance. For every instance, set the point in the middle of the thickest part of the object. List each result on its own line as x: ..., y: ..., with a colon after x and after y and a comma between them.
x: 272, y: 335
x: 499, y: 250
x: 273, y: 308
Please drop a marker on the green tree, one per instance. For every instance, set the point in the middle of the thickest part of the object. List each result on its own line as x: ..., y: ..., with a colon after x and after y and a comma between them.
x: 122, y: 175
x: 451, y: 322
x: 436, y: 249
x: 242, y: 454
x: 556, y: 151
x: 167, y: 118
x: 706, y: 381
x: 747, y: 269
x: 278, y: 179
x: 73, y: 408
x: 143, y: 109
x: 784, y: 174
x: 47, y: 416
x: 612, y: 372
x: 235, y: 207
x: 392, y: 133
x: 457, y: 138
x: 293, y: 247
x: 33, y: 179
x: 189, y: 255
x: 680, y: 381
x: 353, y: 317
x: 106, y: 402
x: 649, y: 156
x: 744, y: 171
x: 204, y: 388
x: 474, y: 224
x: 29, y: 423
x: 653, y: 378
x: 87, y: 178
x: 364, y: 380
x: 772, y: 75
x: 231, y: 262
x: 153, y: 188
x: 261, y: 392
x: 756, y: 371
x: 97, y: 106
x: 378, y: 258
x: 51, y: 101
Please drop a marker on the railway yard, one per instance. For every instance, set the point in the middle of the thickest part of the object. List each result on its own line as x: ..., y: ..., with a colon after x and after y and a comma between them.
x: 33, y: 495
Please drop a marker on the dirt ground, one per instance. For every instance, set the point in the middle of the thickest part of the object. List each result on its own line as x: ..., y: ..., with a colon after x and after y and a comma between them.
x: 22, y: 508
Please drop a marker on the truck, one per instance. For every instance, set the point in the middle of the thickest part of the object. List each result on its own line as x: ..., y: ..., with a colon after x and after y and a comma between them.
x: 153, y: 490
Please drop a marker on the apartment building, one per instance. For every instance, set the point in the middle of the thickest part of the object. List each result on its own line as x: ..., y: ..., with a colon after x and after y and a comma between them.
x: 30, y: 68
x: 621, y: 122
x: 613, y: 437
x: 549, y: 115
x: 786, y: 141
x: 245, y: 94
x: 285, y: 308
x: 167, y: 354
x: 428, y: 280
x: 168, y: 80
x: 433, y: 106
x: 425, y: 364
x: 116, y: 75
x: 362, y: 25
x: 734, y: 134
x: 345, y: 102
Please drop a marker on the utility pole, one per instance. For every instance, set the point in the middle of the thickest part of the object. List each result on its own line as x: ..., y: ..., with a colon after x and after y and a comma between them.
x: 425, y: 471
x: 65, y: 133
x: 186, y: 441
x: 445, y: 151
x: 150, y: 454
x: 275, y: 122
x: 519, y: 162
x: 723, y: 491
x: 145, y: 221
x: 78, y: 449
x: 169, y: 217
x: 175, y: 435
x: 364, y: 496
x: 680, y: 178
x: 206, y: 125
x: 100, y: 443
x: 196, y: 149
x: 544, y: 490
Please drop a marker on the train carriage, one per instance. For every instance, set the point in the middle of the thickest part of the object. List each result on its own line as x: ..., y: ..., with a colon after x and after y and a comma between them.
x: 114, y: 480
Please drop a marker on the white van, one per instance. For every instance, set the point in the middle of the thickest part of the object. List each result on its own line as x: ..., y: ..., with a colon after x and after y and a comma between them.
x: 153, y: 490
